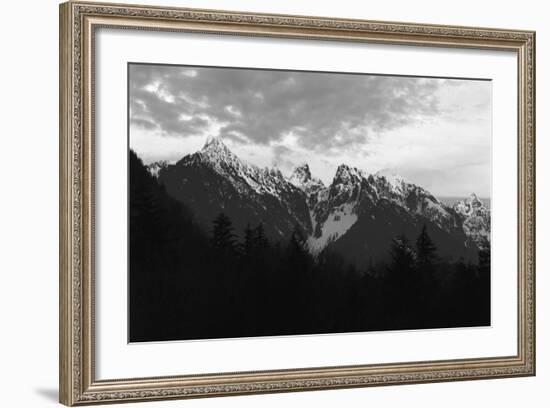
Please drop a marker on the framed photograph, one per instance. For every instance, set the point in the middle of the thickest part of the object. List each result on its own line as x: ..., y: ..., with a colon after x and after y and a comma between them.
x: 256, y: 203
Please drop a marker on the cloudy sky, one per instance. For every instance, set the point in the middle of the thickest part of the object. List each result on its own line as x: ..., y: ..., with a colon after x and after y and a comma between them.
x: 434, y: 132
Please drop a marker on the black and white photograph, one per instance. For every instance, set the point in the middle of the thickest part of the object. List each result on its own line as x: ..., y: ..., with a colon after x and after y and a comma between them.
x: 268, y: 202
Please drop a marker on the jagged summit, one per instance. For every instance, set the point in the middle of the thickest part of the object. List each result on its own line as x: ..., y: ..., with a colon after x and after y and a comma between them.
x: 346, y: 174
x: 474, y: 200
x: 393, y: 182
x: 156, y: 167
x: 224, y: 161
x: 215, y: 144
x: 301, y: 173
x: 469, y: 206
x: 476, y: 218
x: 213, y: 141
x: 219, y: 156
x: 215, y: 179
x: 392, y: 176
x: 301, y: 177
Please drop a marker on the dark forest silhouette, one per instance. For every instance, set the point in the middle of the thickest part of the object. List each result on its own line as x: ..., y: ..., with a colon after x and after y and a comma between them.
x: 187, y: 283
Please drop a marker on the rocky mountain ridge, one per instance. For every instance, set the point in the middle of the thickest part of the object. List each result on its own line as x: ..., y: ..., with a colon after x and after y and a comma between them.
x: 357, y: 213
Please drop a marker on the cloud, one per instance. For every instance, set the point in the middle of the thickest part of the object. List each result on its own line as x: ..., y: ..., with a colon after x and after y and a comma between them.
x: 323, y: 110
x: 282, y: 157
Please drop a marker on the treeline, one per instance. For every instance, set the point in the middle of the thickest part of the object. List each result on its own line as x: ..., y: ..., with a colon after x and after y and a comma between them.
x: 187, y: 283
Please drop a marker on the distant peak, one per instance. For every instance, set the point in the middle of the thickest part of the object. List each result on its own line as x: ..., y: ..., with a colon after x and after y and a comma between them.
x: 303, y: 166
x: 216, y: 151
x: 156, y: 167
x: 275, y: 172
x: 302, y: 172
x: 342, y: 168
x: 345, y: 173
x: 390, y: 175
x: 301, y: 177
x: 474, y: 200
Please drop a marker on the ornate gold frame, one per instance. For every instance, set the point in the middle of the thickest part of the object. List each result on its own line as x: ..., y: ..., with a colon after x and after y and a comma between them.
x: 78, y: 21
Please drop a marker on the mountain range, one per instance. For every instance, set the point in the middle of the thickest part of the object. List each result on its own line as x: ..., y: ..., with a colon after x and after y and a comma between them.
x: 357, y: 215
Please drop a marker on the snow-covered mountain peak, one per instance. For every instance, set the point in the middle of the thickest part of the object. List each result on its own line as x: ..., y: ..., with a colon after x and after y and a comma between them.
x: 393, y: 180
x: 391, y: 175
x: 413, y: 198
x: 248, y: 180
x: 218, y: 154
x: 327, y: 213
x: 155, y: 167
x: 346, y: 175
x: 272, y: 172
x: 214, y: 146
x: 214, y: 179
x: 301, y: 177
x: 474, y: 200
x: 213, y: 141
x: 469, y: 206
x: 301, y: 174
x: 476, y: 218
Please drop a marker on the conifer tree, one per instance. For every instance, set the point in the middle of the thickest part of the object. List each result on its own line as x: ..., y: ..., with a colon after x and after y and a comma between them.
x: 298, y: 255
x: 260, y: 240
x: 427, y: 287
x: 248, y: 243
x: 484, y: 256
x: 401, y: 279
x: 223, y: 238
x: 402, y: 257
x: 484, y: 272
x: 425, y: 261
x: 425, y: 250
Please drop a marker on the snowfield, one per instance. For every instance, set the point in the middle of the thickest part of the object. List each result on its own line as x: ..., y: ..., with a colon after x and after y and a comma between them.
x: 336, y: 225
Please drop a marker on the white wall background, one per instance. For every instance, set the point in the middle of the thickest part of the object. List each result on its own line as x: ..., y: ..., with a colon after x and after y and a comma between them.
x: 28, y: 204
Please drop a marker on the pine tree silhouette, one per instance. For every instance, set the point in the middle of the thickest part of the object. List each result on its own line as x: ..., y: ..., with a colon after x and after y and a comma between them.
x: 484, y: 287
x: 425, y: 250
x: 248, y: 243
x: 425, y: 261
x: 402, y: 257
x: 426, y: 285
x: 298, y: 257
x: 223, y: 238
x: 484, y: 256
x: 402, y: 281
x: 260, y: 240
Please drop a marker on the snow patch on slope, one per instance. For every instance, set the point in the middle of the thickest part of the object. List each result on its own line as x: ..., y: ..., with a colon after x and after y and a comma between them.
x: 155, y: 167
x: 336, y: 225
x: 396, y: 182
